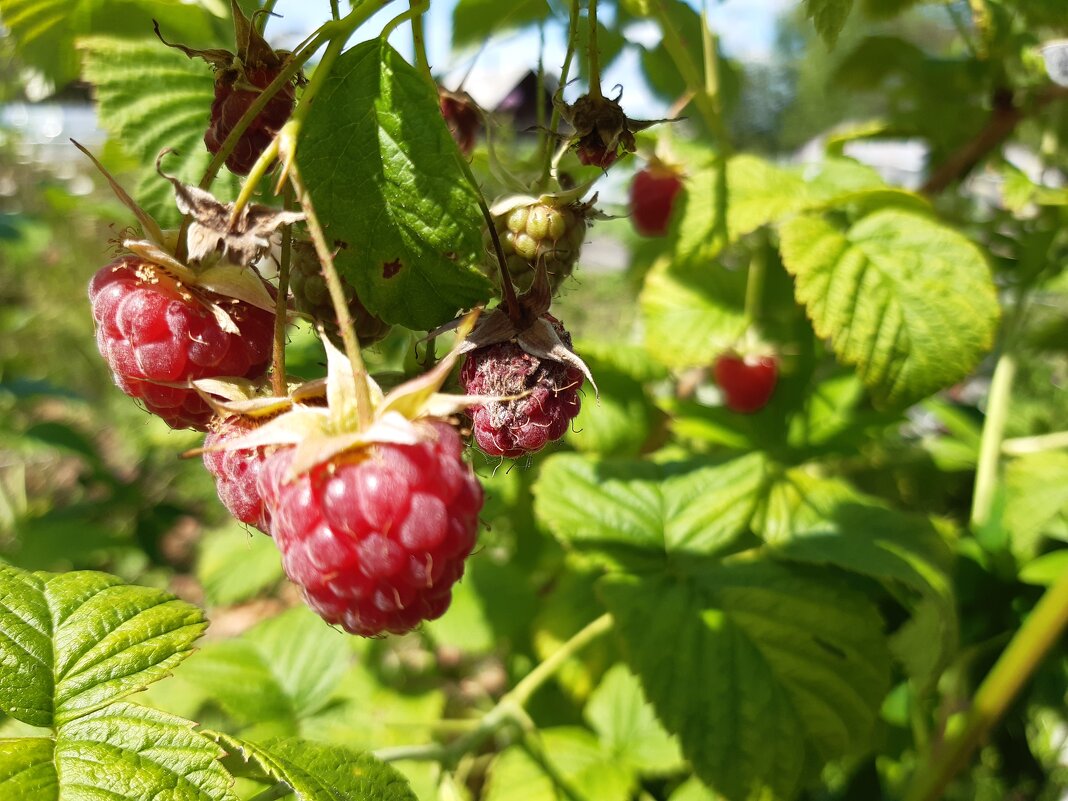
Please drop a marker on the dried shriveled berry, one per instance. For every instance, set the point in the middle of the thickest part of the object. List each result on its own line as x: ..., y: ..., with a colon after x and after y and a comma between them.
x: 153, y: 331
x: 235, y: 91
x: 539, y: 397
x: 376, y: 538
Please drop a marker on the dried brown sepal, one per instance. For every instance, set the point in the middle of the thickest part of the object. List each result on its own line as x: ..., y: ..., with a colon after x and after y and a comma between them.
x: 213, y: 232
x: 534, y: 332
x: 252, y: 50
x: 601, y: 127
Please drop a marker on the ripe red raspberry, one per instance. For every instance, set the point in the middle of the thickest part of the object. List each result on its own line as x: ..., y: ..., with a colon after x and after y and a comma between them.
x: 230, y: 105
x: 376, y: 538
x: 150, y: 329
x: 748, y: 382
x: 547, y: 404
x: 652, y: 196
x: 236, y: 473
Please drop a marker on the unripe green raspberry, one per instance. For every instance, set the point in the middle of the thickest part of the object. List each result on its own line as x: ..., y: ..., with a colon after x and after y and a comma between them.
x: 313, y: 298
x: 541, y: 231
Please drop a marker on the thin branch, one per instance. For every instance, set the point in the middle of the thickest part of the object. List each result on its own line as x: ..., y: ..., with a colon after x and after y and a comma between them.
x: 554, y: 120
x: 278, y: 370
x: 593, y: 53
x: 1004, y: 118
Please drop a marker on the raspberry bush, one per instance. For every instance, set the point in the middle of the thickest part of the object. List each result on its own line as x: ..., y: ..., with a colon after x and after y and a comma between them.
x: 779, y: 514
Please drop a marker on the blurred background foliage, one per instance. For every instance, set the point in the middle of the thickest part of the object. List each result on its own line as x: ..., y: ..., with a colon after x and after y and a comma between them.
x: 87, y: 480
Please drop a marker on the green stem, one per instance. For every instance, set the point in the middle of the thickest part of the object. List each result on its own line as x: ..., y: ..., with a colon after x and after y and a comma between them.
x: 280, y: 790
x: 708, y: 51
x: 997, y: 414
x: 508, y: 710
x: 337, y: 297
x: 419, y: 40
x: 335, y: 9
x: 593, y: 53
x: 511, y: 300
x: 278, y: 359
x: 266, y: 13
x: 537, y: 756
x: 680, y: 54
x: 554, y: 120
x: 1013, y: 669
x: 1036, y: 444
x: 754, y: 284
x: 526, y: 687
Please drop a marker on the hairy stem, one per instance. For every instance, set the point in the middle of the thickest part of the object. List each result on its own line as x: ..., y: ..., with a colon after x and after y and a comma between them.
x: 507, y: 711
x: 511, y: 300
x: 278, y: 356
x: 554, y: 120
x: 593, y: 54
x: 419, y: 40
x: 1042, y: 629
x: 997, y: 413
x: 337, y: 296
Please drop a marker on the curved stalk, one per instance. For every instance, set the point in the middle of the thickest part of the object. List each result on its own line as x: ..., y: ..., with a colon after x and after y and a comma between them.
x: 507, y: 711
x: 554, y: 120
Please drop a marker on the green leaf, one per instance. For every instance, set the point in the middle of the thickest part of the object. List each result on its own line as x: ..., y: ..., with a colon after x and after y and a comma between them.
x: 27, y: 769
x: 385, y: 177
x: 74, y: 642
x: 279, y: 672
x: 764, y: 671
x: 45, y: 30
x: 826, y: 522
x: 1045, y: 569
x: 474, y: 21
x: 150, y: 98
x: 148, y: 754
x: 908, y: 301
x: 628, y: 727
x: 236, y: 564
x: 829, y: 17
x: 618, y: 422
x: 321, y: 772
x: 1036, y: 495
x: 574, y: 756
x: 692, y: 311
x: 643, y: 514
x: 124, y: 751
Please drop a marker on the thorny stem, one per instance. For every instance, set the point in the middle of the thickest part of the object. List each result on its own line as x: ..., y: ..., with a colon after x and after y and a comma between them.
x: 1043, y: 627
x: 508, y: 710
x: 278, y: 370
x: 554, y: 120
x: 265, y: 14
x: 997, y: 413
x: 593, y: 53
x: 337, y: 296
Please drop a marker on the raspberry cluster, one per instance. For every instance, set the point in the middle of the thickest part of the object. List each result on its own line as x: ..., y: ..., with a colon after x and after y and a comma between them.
x: 376, y: 538
x: 157, y: 335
